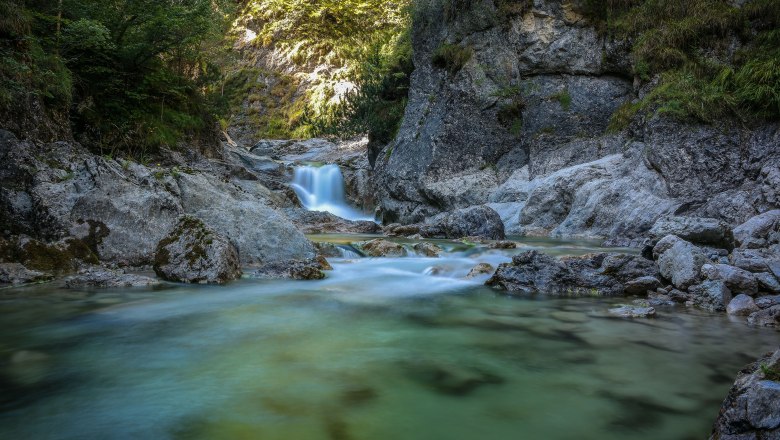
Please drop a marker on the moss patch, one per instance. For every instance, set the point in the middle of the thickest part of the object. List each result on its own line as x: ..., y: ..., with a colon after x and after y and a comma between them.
x: 451, y: 57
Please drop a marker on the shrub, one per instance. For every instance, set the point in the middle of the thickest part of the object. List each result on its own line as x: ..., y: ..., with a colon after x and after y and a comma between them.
x: 451, y: 57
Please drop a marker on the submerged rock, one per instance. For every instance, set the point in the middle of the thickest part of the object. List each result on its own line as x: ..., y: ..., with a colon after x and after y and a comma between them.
x: 381, y: 248
x: 103, y: 278
x: 480, y: 269
x: 630, y: 311
x: 195, y: 253
x: 428, y: 249
x: 457, y: 380
x: 752, y: 408
x: 294, y: 269
x: 15, y: 273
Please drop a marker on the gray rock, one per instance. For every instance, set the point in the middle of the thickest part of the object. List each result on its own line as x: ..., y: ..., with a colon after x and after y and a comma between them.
x: 427, y: 249
x: 480, y: 221
x: 769, y: 317
x: 381, y: 248
x: 755, y: 232
x: 767, y: 282
x: 752, y: 408
x: 315, y: 222
x: 15, y: 273
x: 590, y: 275
x: 736, y: 279
x: 707, y: 231
x: 766, y: 302
x: 103, y: 278
x: 741, y: 305
x: 711, y: 295
x: 753, y: 260
x: 294, y: 269
x: 629, y: 311
x: 679, y: 261
x: 480, y: 269
x: 195, y: 253
x: 642, y: 285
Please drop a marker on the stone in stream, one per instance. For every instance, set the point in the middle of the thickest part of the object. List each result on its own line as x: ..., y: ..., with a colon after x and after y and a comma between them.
x: 445, y: 378
x: 741, y: 305
x: 632, y: 311
x: 381, y: 248
x: 294, y: 269
x: 679, y: 261
x: 195, y: 253
x: 502, y: 244
x: 480, y: 221
x: 642, y: 285
x: 427, y: 249
x: 480, y: 269
x: 769, y: 317
x: 15, y: 273
x: 751, y: 411
x: 103, y: 278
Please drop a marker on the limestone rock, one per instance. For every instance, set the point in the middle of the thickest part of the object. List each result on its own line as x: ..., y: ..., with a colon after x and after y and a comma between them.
x: 480, y: 269
x: 769, y: 317
x: 752, y: 408
x: 629, y: 311
x: 15, y: 273
x: 427, y: 249
x: 736, y: 279
x: 741, y: 305
x: 480, y: 221
x: 767, y: 282
x: 642, y: 285
x: 103, y: 278
x: 315, y: 222
x: 381, y: 248
x: 755, y: 232
x: 679, y: 261
x: 195, y: 253
x: 711, y: 295
x: 294, y: 269
x: 706, y: 231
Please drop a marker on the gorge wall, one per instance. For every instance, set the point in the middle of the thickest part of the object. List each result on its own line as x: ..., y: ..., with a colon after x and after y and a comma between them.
x: 513, y: 109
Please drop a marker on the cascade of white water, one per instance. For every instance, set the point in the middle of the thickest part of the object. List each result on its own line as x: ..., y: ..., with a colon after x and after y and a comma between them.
x: 322, y: 189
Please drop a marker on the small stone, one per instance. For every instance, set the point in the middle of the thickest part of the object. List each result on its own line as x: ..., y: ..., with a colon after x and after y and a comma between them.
x: 103, y: 278
x: 629, y: 311
x: 504, y: 244
x: 640, y: 286
x: 480, y: 269
x: 766, y: 318
x: 427, y: 249
x: 323, y: 262
x: 741, y: 305
x: 767, y: 282
x: 711, y: 295
x: 766, y: 302
x: 292, y: 269
x: 381, y: 248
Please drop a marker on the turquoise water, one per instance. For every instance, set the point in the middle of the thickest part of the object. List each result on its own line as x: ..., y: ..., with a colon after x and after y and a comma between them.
x: 380, y: 349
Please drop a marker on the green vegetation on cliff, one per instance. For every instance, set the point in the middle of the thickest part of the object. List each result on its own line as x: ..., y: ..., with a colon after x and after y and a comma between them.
x: 132, y: 75
x: 713, y: 59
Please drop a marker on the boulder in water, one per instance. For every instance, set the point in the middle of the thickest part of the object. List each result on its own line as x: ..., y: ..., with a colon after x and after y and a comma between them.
x: 195, y: 253
x: 679, y: 261
x: 481, y: 221
x: 381, y: 248
x: 293, y: 269
x: 427, y: 249
x: 480, y: 269
x: 741, y: 305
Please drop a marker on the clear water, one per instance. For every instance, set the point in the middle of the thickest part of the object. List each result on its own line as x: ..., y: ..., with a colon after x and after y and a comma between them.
x: 321, y: 188
x: 378, y: 350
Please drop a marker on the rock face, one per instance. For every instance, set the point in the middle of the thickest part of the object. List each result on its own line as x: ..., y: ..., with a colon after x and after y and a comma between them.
x: 122, y: 209
x: 752, y: 408
x: 476, y: 221
x: 591, y: 275
x: 522, y: 124
x: 195, y: 253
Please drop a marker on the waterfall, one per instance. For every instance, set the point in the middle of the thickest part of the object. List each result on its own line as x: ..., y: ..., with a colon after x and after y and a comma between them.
x: 322, y: 189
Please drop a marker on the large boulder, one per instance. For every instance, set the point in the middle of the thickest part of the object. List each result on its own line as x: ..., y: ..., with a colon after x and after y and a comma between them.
x: 311, y: 269
x: 195, y: 253
x: 710, y: 295
x: 706, y: 231
x: 755, y: 233
x: 475, y: 221
x: 679, y: 261
x: 741, y: 305
x: 736, y: 279
x: 596, y: 274
x: 752, y: 408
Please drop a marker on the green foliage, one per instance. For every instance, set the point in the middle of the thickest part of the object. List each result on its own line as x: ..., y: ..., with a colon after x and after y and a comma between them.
x: 451, y: 57
x: 564, y: 98
x: 686, y: 44
x: 135, y: 75
x: 511, y: 115
x: 771, y: 373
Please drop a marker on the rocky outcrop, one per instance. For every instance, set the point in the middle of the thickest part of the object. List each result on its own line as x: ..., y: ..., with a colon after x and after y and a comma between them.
x: 121, y: 209
x: 752, y: 408
x: 522, y: 125
x: 592, y: 275
x: 195, y: 253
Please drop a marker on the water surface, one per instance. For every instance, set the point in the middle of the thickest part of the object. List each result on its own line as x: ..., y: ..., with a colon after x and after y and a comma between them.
x: 381, y: 349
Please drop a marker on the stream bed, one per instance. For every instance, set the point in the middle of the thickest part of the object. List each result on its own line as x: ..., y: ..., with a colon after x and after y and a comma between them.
x: 396, y: 348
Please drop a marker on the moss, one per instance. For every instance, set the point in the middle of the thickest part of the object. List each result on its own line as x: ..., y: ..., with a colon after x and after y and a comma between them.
x: 564, y: 98
x: 451, y: 57
x: 510, y: 115
x: 771, y: 372
x: 623, y: 117
x: 58, y: 258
